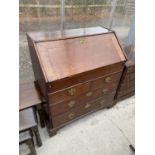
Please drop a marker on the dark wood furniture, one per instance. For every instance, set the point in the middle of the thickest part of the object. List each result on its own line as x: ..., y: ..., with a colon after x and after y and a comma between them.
x: 77, y: 71
x: 27, y: 138
x: 29, y: 96
x: 28, y: 122
x: 126, y: 86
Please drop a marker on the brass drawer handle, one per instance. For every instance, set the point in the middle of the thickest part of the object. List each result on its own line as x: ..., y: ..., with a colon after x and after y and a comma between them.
x: 105, y: 90
x: 71, y: 115
x: 89, y: 94
x: 87, y: 105
x: 71, y: 104
x: 108, y: 79
x: 72, y: 91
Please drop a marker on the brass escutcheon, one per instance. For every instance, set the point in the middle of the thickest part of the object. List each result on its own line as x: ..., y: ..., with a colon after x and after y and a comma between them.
x: 72, y: 91
x: 71, y: 115
x: 87, y: 105
x: 89, y: 94
x: 83, y: 40
x: 71, y: 104
x: 107, y: 79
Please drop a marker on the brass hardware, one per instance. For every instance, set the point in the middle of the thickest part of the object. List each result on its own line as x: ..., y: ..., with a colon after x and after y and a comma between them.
x: 105, y: 90
x: 107, y: 79
x: 89, y: 94
x: 87, y: 105
x: 71, y: 115
x: 72, y: 91
x: 50, y: 86
x: 71, y: 104
x: 83, y: 40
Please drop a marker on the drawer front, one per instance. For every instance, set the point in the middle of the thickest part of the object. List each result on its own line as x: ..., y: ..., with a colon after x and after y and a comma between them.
x: 107, y: 81
x: 62, y: 107
x: 68, y: 93
x: 84, y: 77
x: 103, y: 82
x: 81, y: 110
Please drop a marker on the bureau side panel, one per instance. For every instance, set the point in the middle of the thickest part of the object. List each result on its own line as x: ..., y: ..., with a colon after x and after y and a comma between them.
x: 39, y: 76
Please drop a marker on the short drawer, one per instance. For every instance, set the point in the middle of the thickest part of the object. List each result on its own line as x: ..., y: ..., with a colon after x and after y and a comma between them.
x: 107, y: 81
x: 57, y: 109
x: 81, y: 110
x: 69, y: 93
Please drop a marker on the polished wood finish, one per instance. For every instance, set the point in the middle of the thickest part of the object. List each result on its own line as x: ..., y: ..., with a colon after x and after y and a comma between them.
x: 75, y: 102
x: 75, y: 70
x: 84, y: 77
x: 82, y: 109
x: 77, y: 58
x: 68, y: 93
x: 28, y: 95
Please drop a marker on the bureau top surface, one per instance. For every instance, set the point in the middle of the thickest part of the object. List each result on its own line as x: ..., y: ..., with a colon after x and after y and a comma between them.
x: 67, y: 57
x: 52, y: 35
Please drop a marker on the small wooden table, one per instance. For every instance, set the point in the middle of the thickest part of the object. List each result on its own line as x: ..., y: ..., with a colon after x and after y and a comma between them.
x: 29, y: 96
x: 28, y: 122
x: 26, y: 137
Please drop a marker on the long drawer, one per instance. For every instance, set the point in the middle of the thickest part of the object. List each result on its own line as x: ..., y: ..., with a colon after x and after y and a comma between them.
x: 106, y: 82
x: 84, y: 88
x: 81, y: 110
x: 57, y: 109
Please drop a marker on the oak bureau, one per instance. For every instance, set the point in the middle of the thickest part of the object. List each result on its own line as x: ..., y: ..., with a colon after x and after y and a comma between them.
x: 77, y: 71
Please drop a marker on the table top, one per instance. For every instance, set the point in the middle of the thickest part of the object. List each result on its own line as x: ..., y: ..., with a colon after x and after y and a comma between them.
x: 67, y: 57
x: 28, y: 95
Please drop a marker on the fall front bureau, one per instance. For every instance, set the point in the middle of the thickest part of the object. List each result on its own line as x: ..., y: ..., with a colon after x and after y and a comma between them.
x: 77, y: 71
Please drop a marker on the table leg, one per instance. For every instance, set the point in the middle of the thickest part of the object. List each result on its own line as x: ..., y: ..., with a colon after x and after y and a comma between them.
x: 37, y: 135
x: 31, y: 146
